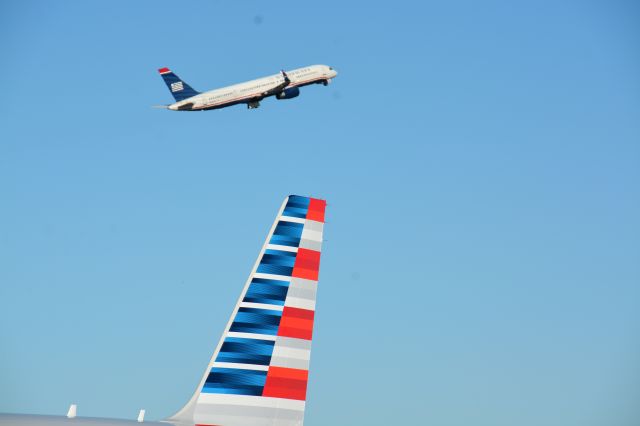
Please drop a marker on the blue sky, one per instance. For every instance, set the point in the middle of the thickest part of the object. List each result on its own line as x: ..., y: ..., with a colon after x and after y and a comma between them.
x: 481, y: 164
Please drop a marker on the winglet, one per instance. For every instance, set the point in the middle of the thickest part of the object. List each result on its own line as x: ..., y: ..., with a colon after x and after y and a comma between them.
x: 141, y: 416
x: 286, y: 77
x: 73, y: 408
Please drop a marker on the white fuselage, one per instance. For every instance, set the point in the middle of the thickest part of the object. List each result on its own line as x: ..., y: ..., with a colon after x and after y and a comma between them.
x: 256, y: 90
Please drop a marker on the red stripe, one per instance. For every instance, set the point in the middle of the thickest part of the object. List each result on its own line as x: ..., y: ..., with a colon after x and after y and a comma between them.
x: 289, y: 383
x: 163, y: 70
x: 300, y: 313
x: 297, y: 323
x: 307, y: 264
x: 316, y: 210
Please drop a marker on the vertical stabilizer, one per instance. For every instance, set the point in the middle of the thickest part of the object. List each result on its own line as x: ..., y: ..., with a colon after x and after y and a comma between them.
x: 259, y: 370
x: 178, y: 88
x: 73, y: 410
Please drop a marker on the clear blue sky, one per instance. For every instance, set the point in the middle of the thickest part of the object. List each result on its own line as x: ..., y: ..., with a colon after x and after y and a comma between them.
x: 481, y: 161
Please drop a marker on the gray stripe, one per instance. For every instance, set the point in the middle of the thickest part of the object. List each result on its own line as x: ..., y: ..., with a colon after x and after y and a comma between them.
x: 302, y: 283
x: 250, y: 421
x: 303, y: 289
x: 291, y: 342
x: 302, y: 293
x: 244, y: 414
x: 310, y: 244
x: 313, y: 225
x: 300, y: 364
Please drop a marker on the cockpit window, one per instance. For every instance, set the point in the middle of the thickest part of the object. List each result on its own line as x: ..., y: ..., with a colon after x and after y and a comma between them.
x: 331, y: 68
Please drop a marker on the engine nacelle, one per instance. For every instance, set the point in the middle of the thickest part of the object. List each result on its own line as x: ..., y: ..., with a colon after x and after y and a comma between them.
x: 289, y: 93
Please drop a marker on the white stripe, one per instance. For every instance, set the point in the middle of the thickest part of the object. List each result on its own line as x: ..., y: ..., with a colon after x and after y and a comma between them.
x: 251, y: 336
x: 284, y: 352
x: 298, y: 364
x: 282, y: 248
x: 295, y: 302
x: 261, y: 306
x: 253, y: 401
x: 308, y: 234
x: 271, y: 277
x: 292, y: 219
x: 241, y: 366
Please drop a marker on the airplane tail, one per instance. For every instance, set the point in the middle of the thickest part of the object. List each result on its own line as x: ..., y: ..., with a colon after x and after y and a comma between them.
x: 179, y: 89
x: 258, y: 373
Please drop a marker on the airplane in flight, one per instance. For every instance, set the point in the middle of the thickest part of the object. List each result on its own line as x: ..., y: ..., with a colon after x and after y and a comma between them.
x: 259, y: 370
x: 285, y: 85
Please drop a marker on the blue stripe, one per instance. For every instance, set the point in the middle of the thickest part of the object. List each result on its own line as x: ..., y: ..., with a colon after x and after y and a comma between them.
x: 246, y: 351
x: 296, y: 206
x: 281, y: 253
x: 277, y: 257
x: 276, y: 270
x: 277, y: 262
x: 287, y: 234
x: 270, y: 292
x: 253, y: 320
x: 235, y: 381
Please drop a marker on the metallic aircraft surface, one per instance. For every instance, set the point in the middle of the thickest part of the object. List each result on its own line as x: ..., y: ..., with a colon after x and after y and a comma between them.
x: 285, y: 85
x: 258, y: 373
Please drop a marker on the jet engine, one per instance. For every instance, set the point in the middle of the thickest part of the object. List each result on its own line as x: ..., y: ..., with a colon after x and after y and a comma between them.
x: 289, y: 93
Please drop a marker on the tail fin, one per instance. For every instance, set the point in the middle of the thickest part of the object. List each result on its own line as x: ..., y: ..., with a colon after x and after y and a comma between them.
x: 259, y: 369
x: 179, y: 89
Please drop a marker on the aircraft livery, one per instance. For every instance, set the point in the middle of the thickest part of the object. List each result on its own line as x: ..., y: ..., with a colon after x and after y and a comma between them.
x: 258, y: 373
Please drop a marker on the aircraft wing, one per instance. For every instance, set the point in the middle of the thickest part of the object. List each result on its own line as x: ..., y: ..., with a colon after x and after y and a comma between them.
x: 280, y: 87
x: 44, y: 420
